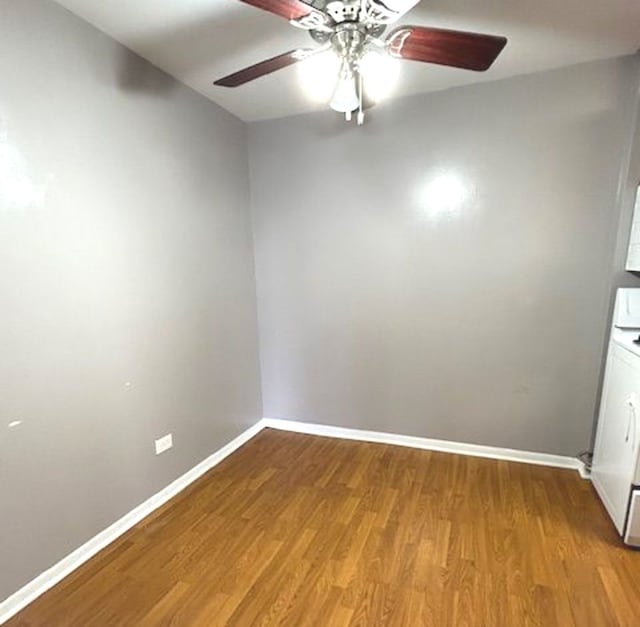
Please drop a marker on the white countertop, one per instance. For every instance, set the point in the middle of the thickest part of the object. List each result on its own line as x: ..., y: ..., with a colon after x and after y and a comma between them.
x: 625, y: 337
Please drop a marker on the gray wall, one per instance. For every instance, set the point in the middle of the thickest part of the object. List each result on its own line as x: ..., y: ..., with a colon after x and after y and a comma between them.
x: 125, y: 256
x: 446, y: 270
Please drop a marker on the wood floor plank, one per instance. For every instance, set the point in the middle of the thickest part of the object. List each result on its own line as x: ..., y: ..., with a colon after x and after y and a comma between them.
x: 301, y: 530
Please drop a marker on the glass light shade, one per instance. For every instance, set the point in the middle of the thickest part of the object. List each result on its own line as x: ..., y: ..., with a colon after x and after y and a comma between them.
x: 317, y: 75
x: 380, y: 74
x: 345, y: 98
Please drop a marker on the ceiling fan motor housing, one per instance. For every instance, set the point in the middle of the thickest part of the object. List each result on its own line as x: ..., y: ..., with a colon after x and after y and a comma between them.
x: 370, y: 17
x: 370, y: 11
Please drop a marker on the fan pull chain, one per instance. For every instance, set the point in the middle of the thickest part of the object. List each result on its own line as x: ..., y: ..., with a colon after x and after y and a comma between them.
x: 360, y: 117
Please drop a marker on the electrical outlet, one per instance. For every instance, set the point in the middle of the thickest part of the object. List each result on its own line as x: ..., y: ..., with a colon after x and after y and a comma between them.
x: 164, y: 444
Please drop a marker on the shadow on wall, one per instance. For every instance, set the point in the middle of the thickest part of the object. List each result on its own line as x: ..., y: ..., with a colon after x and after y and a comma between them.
x: 135, y: 74
x: 196, y: 45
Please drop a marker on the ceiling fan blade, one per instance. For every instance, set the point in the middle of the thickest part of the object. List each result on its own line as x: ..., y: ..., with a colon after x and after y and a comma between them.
x: 288, y: 9
x: 470, y: 51
x: 264, y: 67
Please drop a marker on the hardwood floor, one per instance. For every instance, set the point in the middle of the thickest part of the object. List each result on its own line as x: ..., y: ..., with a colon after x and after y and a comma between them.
x: 302, y: 530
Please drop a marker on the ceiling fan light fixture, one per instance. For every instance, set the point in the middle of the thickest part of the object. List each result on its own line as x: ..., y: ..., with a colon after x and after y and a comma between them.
x: 347, y: 32
x: 380, y: 73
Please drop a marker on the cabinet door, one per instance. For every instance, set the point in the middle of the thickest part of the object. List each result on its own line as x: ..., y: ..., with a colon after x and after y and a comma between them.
x: 632, y: 535
x: 614, y: 460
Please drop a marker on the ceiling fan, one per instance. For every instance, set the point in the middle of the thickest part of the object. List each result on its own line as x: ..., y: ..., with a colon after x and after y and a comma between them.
x: 353, y: 30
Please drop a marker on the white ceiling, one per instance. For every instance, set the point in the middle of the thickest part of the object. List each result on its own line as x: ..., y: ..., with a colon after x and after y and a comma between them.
x: 198, y: 41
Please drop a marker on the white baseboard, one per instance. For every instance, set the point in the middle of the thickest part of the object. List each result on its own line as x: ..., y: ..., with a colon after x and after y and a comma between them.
x: 31, y: 591
x: 428, y: 444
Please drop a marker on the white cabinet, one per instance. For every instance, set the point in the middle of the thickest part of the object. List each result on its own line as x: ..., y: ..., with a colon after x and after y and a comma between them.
x: 615, y: 460
x: 632, y: 536
x: 633, y: 254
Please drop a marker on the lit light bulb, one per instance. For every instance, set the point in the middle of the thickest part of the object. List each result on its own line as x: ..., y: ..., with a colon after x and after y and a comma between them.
x: 318, y: 74
x: 379, y: 73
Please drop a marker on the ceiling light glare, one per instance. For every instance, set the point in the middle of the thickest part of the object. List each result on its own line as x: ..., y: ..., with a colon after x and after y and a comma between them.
x: 318, y: 75
x: 380, y: 74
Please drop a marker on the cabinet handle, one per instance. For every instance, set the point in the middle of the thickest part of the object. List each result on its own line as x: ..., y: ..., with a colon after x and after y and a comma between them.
x: 632, y: 418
